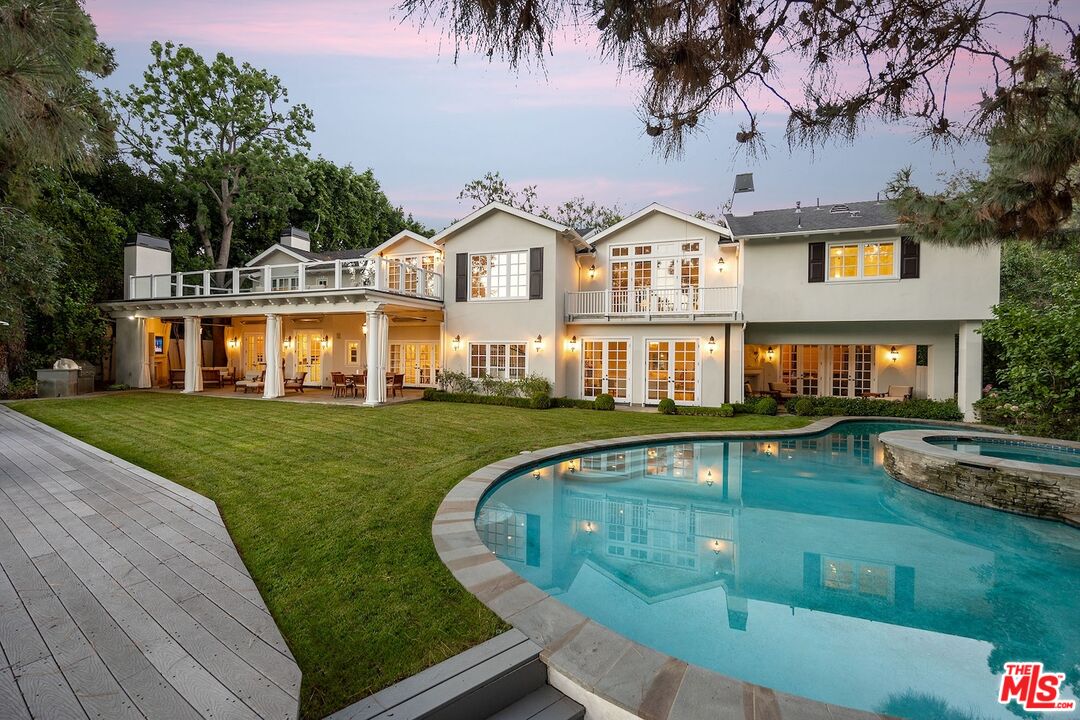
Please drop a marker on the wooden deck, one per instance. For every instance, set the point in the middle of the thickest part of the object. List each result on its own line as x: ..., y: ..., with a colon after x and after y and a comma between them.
x: 122, y: 595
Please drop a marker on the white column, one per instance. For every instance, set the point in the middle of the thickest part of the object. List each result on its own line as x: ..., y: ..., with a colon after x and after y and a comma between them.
x: 969, y: 377
x: 377, y: 349
x: 192, y: 354
x: 735, y: 365
x: 274, y: 382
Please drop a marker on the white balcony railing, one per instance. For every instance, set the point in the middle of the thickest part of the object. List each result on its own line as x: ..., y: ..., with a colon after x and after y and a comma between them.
x: 651, y: 301
x: 372, y: 273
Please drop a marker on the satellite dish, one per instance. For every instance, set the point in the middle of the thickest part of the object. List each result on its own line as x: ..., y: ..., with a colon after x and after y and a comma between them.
x: 744, y: 182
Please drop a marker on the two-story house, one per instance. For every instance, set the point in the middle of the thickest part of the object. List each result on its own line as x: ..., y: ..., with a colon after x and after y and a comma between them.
x: 829, y: 300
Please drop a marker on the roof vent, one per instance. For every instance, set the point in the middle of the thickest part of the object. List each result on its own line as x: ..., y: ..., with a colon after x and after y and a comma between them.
x: 839, y: 209
x: 855, y: 213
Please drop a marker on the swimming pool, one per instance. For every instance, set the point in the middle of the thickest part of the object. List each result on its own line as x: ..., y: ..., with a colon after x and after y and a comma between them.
x: 797, y: 564
x: 1007, y: 449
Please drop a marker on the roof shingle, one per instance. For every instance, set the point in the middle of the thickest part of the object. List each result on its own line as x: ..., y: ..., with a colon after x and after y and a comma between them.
x: 839, y: 216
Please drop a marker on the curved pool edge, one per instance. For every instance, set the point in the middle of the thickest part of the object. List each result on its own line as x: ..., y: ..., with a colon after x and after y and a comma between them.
x: 609, y: 674
x: 1040, y: 490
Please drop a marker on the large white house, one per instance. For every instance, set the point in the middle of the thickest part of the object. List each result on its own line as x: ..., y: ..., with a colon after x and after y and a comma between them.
x: 830, y: 300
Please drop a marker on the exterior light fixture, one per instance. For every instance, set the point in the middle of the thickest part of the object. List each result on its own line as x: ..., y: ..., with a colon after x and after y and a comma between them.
x: 536, y: 474
x: 708, y: 477
x: 769, y: 353
x: 288, y: 341
x: 538, y: 343
x: 456, y: 342
x: 572, y: 466
x: 588, y: 528
x: 894, y: 354
x: 325, y: 340
x: 364, y: 329
x: 572, y: 344
x: 720, y: 264
x: 234, y: 342
x: 592, y: 271
x: 710, y: 344
x: 716, y: 546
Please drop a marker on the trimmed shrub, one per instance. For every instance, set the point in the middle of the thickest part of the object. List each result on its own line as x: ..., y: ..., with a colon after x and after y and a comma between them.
x: 861, y: 407
x: 804, y: 406
x: 765, y: 406
x: 667, y: 407
x: 429, y: 393
x: 726, y: 410
x: 743, y: 408
x: 604, y: 402
x: 473, y: 398
x: 565, y: 402
x: 540, y: 400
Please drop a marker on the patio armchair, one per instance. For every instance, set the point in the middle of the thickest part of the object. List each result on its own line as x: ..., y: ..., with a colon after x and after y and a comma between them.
x: 176, y: 378
x: 211, y: 377
x: 253, y: 384
x: 341, y: 385
x: 395, y: 384
x: 781, y: 391
x: 296, y: 383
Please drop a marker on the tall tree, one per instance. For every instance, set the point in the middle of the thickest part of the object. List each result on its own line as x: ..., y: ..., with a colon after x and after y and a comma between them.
x: 50, y: 114
x: 492, y: 187
x: 220, y: 133
x: 577, y: 212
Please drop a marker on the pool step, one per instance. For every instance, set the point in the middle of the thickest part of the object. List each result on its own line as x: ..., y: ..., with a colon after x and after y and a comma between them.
x: 502, y: 678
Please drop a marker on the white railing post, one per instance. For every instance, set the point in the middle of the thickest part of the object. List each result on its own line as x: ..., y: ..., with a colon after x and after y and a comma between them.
x: 268, y: 282
x: 301, y: 277
x: 236, y: 281
x: 206, y: 282
x: 337, y: 274
x: 380, y: 274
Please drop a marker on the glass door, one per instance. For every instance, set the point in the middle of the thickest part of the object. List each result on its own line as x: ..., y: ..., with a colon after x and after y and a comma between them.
x: 620, y: 286
x: 799, y: 368
x: 410, y: 366
x: 416, y: 361
x: 671, y: 370
x: 605, y: 369
x: 862, y: 378
x: 852, y: 370
x: 841, y: 370
x: 309, y: 356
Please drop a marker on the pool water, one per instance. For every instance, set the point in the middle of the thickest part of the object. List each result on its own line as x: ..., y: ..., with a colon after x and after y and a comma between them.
x: 798, y: 564
x: 1012, y: 450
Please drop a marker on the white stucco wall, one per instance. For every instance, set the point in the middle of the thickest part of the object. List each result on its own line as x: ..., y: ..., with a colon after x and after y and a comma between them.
x: 953, y: 284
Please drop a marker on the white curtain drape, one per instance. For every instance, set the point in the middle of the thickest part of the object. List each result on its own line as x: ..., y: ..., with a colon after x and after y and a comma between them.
x: 378, y: 346
x: 275, y: 379
x: 144, y: 353
x: 192, y: 354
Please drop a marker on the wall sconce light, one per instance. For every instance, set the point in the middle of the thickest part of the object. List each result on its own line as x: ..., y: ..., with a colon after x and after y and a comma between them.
x: 572, y: 343
x: 536, y: 474
x: 325, y: 340
x: 571, y: 466
x: 364, y: 329
x: 288, y: 342
x: 708, y: 477
x: 456, y: 343
x: 588, y: 528
x: 720, y: 264
x: 592, y: 271
x: 234, y: 342
x: 769, y: 353
x: 894, y: 354
x: 710, y: 344
x: 538, y: 343
x: 716, y: 546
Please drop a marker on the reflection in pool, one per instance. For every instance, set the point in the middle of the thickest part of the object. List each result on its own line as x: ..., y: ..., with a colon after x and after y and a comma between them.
x: 799, y: 565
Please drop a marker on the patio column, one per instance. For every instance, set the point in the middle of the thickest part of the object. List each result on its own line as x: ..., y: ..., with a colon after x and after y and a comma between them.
x: 377, y: 360
x: 969, y: 372
x: 274, y: 382
x: 192, y: 354
x: 734, y: 359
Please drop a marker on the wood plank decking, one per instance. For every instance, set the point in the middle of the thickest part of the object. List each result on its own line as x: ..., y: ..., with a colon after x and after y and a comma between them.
x: 122, y: 595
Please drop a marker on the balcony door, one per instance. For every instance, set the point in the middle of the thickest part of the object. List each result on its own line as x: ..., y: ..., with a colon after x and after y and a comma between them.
x: 672, y: 371
x: 656, y: 277
x: 309, y: 347
x: 605, y: 368
x: 852, y: 370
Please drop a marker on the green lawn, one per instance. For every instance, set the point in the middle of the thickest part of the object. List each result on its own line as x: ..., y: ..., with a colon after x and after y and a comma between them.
x: 331, y: 509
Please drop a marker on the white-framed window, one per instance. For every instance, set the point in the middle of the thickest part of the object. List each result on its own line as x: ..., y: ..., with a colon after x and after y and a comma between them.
x: 499, y: 276
x: 498, y: 360
x: 352, y: 352
x: 288, y: 283
x: 868, y: 260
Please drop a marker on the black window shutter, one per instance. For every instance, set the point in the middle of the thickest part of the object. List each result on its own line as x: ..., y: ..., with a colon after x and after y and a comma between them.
x: 909, y: 258
x: 816, y: 263
x: 461, y: 286
x: 536, y: 273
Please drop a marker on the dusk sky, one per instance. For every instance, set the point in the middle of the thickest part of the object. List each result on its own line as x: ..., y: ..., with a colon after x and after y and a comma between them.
x: 389, y: 96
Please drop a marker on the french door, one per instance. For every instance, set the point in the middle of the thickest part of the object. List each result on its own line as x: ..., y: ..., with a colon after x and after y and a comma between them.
x: 799, y: 368
x: 671, y: 371
x: 417, y: 361
x: 852, y: 370
x: 309, y: 356
x: 605, y: 368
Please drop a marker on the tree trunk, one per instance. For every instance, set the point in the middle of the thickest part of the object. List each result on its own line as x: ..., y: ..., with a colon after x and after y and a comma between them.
x: 226, y: 226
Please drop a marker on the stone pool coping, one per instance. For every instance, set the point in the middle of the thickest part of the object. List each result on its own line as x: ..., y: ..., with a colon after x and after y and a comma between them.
x: 1022, y: 487
x: 611, y: 675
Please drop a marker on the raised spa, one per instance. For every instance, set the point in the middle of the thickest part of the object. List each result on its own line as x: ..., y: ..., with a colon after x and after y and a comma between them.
x: 797, y: 564
x: 1009, y: 449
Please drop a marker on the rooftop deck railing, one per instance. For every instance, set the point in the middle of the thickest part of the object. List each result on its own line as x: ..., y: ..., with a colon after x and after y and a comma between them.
x: 380, y: 274
x: 653, y: 301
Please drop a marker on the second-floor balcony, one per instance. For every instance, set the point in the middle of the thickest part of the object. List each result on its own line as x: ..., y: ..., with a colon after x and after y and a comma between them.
x: 379, y: 274
x: 653, y: 302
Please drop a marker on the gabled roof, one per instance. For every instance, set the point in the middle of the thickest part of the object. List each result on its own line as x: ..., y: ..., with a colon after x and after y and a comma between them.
x: 663, y: 210
x: 440, y: 237
x: 404, y: 234
x: 820, y: 218
x: 308, y: 255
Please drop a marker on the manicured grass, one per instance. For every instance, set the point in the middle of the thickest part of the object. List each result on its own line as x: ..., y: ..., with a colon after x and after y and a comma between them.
x: 331, y: 508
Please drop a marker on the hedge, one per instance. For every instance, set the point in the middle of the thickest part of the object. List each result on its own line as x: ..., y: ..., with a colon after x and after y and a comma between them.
x: 919, y: 409
x: 473, y: 398
x: 565, y: 402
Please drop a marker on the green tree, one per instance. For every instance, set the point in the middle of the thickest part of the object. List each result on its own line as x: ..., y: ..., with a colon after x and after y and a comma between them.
x: 577, y: 212
x: 492, y: 187
x: 221, y: 134
x: 582, y: 214
x: 50, y: 114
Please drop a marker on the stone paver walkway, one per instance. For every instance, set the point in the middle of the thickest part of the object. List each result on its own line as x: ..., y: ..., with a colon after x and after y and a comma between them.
x: 122, y: 595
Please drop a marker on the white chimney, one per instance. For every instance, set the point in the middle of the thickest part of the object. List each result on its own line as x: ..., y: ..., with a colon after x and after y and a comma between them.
x: 146, y: 255
x: 296, y: 239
